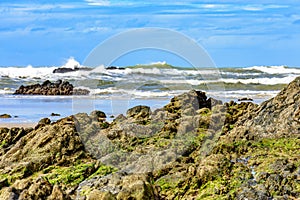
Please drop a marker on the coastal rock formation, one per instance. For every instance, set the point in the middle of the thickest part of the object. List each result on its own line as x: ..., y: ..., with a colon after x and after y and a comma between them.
x: 279, y: 116
x: 193, y: 148
x: 66, y: 70
x: 48, y: 88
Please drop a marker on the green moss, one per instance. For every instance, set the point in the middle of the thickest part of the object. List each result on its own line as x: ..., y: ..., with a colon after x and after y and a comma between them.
x: 103, y: 170
x: 163, y: 142
x: 104, y: 125
x: 72, y: 175
x: 3, y: 143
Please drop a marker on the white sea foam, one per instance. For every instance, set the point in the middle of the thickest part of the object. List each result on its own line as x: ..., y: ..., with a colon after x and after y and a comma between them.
x: 72, y: 64
x: 26, y: 72
x: 274, y: 69
x: 264, y: 81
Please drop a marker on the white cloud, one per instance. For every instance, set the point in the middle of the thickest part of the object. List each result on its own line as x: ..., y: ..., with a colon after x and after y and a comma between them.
x: 98, y: 2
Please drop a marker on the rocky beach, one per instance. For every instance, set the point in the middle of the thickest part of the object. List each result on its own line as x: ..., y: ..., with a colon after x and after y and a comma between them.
x: 194, y: 147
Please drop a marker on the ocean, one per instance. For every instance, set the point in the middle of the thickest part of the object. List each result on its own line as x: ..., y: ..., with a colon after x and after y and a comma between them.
x: 115, y: 90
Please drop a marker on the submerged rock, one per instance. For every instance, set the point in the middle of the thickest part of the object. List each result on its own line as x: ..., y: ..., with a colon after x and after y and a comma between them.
x: 48, y: 88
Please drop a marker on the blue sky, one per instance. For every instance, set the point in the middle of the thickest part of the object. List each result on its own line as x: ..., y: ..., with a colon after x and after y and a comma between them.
x: 234, y: 33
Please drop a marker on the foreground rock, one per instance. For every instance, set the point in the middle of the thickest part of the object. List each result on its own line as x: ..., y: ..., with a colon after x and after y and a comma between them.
x: 49, y: 88
x: 193, y: 148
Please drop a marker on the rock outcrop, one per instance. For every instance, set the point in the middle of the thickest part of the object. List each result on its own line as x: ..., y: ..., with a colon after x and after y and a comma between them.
x: 48, y: 88
x: 193, y: 148
x: 66, y: 70
x: 279, y: 116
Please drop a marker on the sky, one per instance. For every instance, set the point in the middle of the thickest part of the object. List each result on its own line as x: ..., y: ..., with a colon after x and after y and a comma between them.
x: 234, y: 33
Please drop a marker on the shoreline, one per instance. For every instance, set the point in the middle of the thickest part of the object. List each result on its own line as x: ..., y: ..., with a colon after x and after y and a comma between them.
x: 18, y: 125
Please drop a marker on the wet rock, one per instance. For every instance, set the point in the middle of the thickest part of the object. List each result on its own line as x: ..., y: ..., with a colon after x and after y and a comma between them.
x: 48, y: 88
x: 55, y: 114
x: 66, y: 70
x: 245, y: 99
x: 115, y: 68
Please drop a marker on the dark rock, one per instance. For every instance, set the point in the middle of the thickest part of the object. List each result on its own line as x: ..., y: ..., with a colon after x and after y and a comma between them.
x: 5, y: 116
x: 245, y: 99
x: 48, y: 88
x: 115, y: 68
x: 66, y: 70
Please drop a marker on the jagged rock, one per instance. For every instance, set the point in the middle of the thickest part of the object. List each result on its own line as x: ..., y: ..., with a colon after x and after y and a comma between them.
x: 39, y: 189
x: 171, y: 153
x: 48, y: 88
x: 119, y: 186
x: 57, y: 143
x: 139, y: 112
x: 277, y: 116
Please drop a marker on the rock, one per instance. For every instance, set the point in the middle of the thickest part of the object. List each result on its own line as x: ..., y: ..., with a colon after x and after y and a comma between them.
x: 115, y: 68
x: 48, y: 88
x: 98, y: 115
x: 139, y: 112
x: 66, y: 70
x: 119, y: 186
x: 39, y: 189
x: 277, y: 116
x: 174, y: 152
x: 5, y: 116
x: 43, y: 122
x: 245, y: 99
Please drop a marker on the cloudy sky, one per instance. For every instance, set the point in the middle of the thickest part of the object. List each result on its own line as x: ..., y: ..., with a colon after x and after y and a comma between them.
x: 234, y: 32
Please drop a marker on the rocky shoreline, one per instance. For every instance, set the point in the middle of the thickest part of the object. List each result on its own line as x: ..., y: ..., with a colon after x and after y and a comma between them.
x: 193, y: 148
x: 48, y: 88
